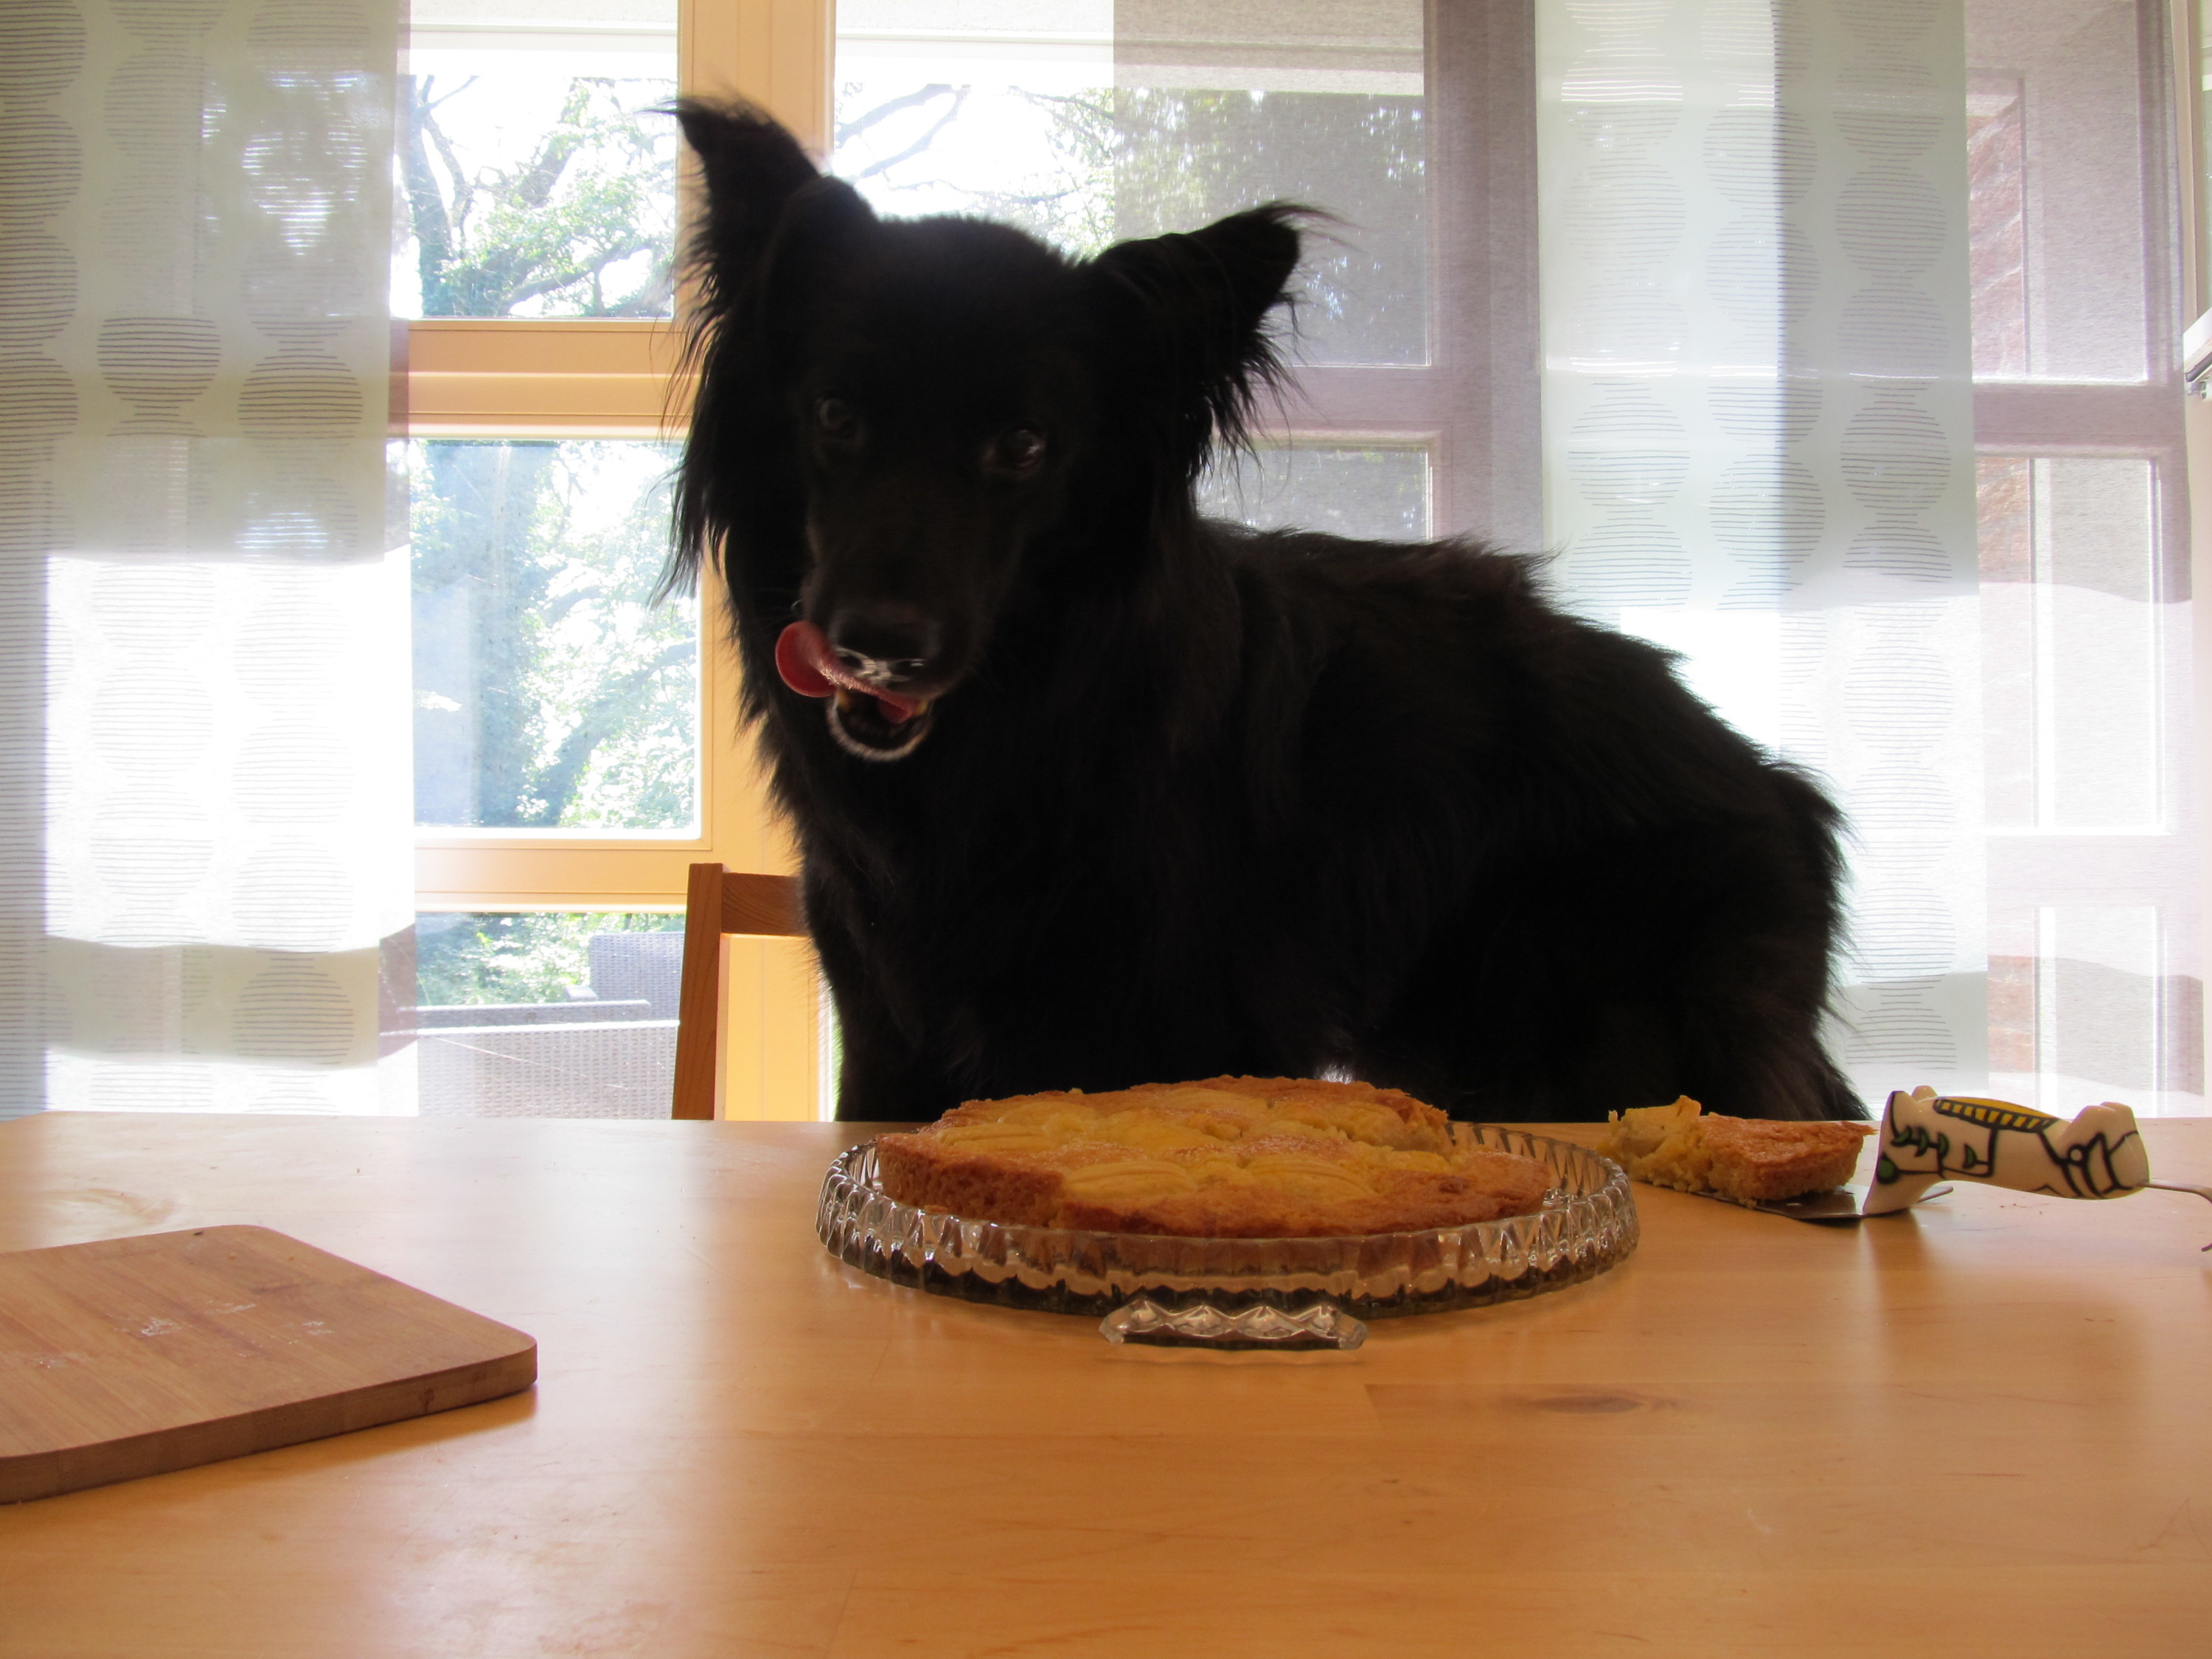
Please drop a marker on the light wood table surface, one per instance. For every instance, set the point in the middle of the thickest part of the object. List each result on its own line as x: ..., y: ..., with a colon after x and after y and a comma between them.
x: 1984, y: 1428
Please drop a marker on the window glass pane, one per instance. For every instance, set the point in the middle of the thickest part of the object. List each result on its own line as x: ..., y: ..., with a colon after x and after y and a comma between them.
x: 2203, y: 185
x: 1087, y: 122
x: 2073, y: 648
x: 2084, y: 1005
x: 534, y: 179
x: 1373, y: 493
x: 2090, y: 994
x: 2055, y: 150
x: 549, y: 692
x: 544, y: 1014
x: 574, y: 964
x: 952, y: 107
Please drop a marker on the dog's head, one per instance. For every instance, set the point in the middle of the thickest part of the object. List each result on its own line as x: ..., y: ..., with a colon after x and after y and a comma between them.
x: 901, y: 426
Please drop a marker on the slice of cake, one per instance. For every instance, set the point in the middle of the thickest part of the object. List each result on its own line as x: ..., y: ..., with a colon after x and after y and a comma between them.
x: 1751, y: 1160
x: 1229, y: 1157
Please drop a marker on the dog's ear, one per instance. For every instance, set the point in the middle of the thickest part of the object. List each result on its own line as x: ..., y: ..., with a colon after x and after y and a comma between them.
x: 774, y: 224
x: 1193, y: 314
x: 753, y: 168
x: 813, y: 242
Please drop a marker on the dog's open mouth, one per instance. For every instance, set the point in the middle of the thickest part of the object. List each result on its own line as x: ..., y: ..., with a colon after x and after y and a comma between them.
x: 869, y: 720
x: 861, y: 726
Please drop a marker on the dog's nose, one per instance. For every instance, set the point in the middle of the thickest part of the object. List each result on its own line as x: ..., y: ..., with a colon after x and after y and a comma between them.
x: 883, y: 643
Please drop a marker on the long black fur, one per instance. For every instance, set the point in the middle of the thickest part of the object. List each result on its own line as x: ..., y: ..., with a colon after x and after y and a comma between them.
x: 1194, y: 799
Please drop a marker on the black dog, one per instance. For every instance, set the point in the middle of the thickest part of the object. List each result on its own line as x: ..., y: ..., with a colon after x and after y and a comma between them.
x: 1092, y: 792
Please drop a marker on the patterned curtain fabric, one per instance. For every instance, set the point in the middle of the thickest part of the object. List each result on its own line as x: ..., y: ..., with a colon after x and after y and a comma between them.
x: 1775, y: 305
x: 203, y: 810
x: 1857, y: 333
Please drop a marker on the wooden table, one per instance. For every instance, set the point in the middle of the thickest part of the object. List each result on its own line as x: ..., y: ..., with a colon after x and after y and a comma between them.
x: 1985, y: 1428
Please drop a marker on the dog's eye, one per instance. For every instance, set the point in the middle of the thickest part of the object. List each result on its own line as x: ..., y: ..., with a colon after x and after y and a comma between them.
x: 1020, y: 452
x: 834, y: 418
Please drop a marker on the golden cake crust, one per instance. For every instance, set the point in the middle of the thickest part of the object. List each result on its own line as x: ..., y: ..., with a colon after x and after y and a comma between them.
x: 1226, y: 1157
x: 1752, y: 1160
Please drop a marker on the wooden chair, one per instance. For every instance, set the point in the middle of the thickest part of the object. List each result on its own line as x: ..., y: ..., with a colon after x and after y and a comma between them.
x: 720, y: 902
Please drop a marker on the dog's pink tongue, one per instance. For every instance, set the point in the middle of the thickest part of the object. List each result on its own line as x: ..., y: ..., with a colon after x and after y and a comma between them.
x: 808, y: 667
x: 803, y: 657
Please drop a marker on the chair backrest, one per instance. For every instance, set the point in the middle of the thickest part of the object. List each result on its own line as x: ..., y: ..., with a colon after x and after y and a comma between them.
x: 720, y: 902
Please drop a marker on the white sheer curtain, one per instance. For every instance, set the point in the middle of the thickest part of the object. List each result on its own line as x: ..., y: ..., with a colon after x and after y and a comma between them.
x: 1857, y: 322
x: 206, y: 797
x: 1857, y: 328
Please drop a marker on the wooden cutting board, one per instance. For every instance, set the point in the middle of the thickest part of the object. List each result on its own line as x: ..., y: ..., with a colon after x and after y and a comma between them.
x: 137, y: 1356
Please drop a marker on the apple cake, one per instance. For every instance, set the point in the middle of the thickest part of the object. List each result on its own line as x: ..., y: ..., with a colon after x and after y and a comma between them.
x: 1751, y: 1160
x: 1228, y: 1157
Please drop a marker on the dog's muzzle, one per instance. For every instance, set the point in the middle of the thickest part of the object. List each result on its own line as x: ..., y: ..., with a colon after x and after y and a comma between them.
x: 878, y: 673
x: 867, y: 719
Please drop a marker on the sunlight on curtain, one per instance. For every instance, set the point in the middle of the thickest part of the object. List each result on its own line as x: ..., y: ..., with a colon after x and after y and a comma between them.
x: 1796, y: 259
x: 210, y: 841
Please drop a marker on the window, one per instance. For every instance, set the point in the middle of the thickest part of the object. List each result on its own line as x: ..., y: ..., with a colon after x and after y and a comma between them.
x: 1857, y: 468
x: 575, y: 749
x: 1859, y: 392
x: 2082, y: 507
x: 1094, y: 122
x: 533, y: 253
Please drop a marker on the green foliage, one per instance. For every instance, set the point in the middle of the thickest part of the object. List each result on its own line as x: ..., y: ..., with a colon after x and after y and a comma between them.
x: 551, y: 691
x: 528, y: 957
x: 1184, y: 158
x: 582, y: 225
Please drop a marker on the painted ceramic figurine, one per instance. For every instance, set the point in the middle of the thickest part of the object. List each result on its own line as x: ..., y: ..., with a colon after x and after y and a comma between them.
x: 1927, y: 1137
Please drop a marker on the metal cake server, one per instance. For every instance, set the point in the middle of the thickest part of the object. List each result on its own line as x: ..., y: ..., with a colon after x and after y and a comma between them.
x: 1844, y: 1204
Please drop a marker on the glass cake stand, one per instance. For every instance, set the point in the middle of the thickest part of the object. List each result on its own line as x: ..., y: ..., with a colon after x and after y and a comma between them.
x: 1283, y: 1293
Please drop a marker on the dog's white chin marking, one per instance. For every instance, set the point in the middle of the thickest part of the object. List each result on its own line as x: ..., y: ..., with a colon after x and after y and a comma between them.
x: 914, y: 730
